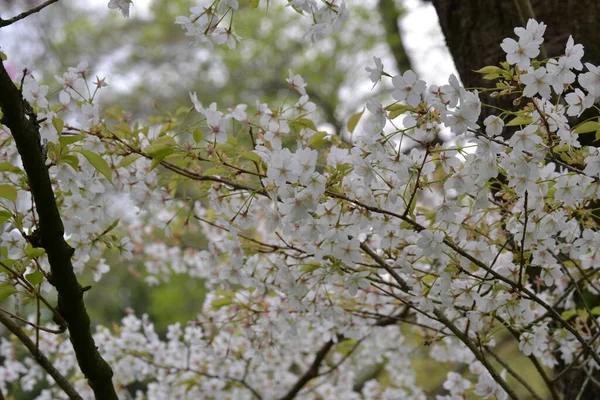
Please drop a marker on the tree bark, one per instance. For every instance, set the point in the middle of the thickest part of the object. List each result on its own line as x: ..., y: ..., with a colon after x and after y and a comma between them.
x: 24, y: 128
x: 474, y: 30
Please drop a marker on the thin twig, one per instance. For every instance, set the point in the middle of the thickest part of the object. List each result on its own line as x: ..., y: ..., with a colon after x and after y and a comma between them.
x: 6, y: 22
x: 514, y: 374
x: 311, y: 372
x: 61, y: 381
x: 522, y: 250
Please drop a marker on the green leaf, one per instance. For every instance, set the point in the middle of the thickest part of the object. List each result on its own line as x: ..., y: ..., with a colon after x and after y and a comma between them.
x: 9, y: 167
x: 1, y: 113
x: 253, y: 3
x: 568, y: 314
x: 8, y: 192
x: 215, y: 171
x: 3, y: 57
x: 303, y: 123
x: 7, y: 261
x: 34, y: 252
x: 35, y: 277
x: 222, y: 302
x: 586, y: 127
x: 346, y: 346
x: 72, y: 160
x: 490, y: 77
x: 112, y: 226
x: 161, y: 147
x: 252, y: 156
x: 317, y: 140
x: 58, y: 124
x: 99, y: 163
x: 353, y: 121
x: 198, y: 135
x: 520, y: 120
x: 128, y: 160
x: 4, y: 216
x: 310, y: 267
x: 6, y: 290
x: 155, y: 163
x: 67, y: 140
x: 397, y: 109
x: 490, y: 69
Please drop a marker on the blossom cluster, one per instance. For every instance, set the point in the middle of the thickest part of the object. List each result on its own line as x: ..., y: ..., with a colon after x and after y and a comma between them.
x: 205, y: 22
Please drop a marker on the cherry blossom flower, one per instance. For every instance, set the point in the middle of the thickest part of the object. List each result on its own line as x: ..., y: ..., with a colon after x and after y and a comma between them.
x: 375, y: 73
x: 537, y: 81
x: 407, y: 87
x: 122, y: 5
x: 520, y: 53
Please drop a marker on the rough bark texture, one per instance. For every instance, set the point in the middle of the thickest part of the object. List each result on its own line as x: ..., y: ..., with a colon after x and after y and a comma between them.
x: 474, y: 30
x: 25, y: 130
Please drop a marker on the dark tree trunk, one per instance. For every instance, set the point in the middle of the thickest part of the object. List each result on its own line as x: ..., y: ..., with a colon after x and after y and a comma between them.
x: 474, y: 30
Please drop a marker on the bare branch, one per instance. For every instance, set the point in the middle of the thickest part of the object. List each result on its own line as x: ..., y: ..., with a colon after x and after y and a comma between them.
x: 311, y: 372
x: 61, y: 381
x: 6, y: 22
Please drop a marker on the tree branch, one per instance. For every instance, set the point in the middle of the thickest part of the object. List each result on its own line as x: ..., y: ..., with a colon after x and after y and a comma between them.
x: 6, y: 22
x: 390, y: 14
x: 311, y: 372
x: 24, y: 128
x: 61, y: 381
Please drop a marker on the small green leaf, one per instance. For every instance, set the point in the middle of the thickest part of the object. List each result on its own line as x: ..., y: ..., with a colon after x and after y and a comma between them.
x: 568, y: 314
x: 6, y: 290
x: 353, y: 121
x: 9, y: 167
x: 252, y: 156
x: 3, y: 57
x: 1, y: 113
x: 520, y: 121
x: 222, y: 302
x: 35, y: 277
x: 586, y: 127
x: 67, y: 140
x: 595, y: 310
x: 34, y: 252
x: 8, y: 192
x: 317, y: 140
x: 491, y: 77
x: 128, y: 160
x: 490, y: 69
x: 397, y: 109
x: 303, y: 123
x: 4, y: 216
x: 112, y: 226
x: 7, y: 262
x: 253, y: 3
x: 198, y: 135
x: 310, y: 267
x: 99, y: 163
x: 155, y: 163
x: 215, y: 171
x: 72, y: 160
x: 161, y: 147
x: 58, y: 124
